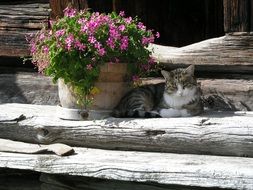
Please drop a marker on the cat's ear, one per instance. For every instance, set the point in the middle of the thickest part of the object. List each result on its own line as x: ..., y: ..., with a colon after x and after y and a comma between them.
x: 190, y: 70
x: 165, y: 74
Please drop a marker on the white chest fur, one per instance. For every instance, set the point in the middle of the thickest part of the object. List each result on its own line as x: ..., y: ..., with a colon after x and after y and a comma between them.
x: 175, y: 101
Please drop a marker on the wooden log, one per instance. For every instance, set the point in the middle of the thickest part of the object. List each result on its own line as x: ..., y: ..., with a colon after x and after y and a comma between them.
x: 60, y: 182
x: 231, y: 53
x: 218, y: 133
x: 162, y: 168
x: 25, y: 87
x: 17, y: 19
x: 27, y: 148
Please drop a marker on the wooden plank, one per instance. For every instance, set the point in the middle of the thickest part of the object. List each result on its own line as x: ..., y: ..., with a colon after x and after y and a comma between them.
x: 17, y: 19
x: 218, y: 133
x: 27, y: 148
x: 28, y: 87
x: 228, y: 51
x: 162, y: 168
x: 60, y: 182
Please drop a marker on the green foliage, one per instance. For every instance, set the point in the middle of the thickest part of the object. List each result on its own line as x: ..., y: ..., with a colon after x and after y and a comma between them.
x: 76, y: 45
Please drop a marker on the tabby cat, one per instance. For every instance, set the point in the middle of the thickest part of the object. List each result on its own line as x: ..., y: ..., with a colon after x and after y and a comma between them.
x: 179, y: 96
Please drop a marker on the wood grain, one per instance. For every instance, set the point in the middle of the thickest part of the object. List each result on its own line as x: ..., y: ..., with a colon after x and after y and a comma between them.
x: 17, y: 19
x: 33, y: 88
x: 28, y: 148
x: 233, y: 51
x: 216, y: 133
x: 237, y: 15
x: 162, y: 168
x: 60, y: 182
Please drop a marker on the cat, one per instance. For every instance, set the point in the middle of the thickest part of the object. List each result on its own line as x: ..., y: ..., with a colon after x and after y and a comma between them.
x: 179, y: 96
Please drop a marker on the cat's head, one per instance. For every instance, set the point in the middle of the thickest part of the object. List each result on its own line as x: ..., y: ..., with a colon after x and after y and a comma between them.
x: 180, y: 82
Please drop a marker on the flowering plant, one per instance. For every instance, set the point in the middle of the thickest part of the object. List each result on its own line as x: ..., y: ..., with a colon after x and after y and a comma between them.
x: 76, y: 45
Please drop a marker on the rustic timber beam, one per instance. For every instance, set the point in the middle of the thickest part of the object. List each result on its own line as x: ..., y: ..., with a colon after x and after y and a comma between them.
x: 60, y: 182
x: 232, y: 52
x: 162, y: 168
x: 17, y: 19
x: 218, y: 133
x: 33, y: 88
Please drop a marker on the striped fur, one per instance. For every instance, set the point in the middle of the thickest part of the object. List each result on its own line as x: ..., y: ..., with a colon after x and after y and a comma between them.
x: 179, y: 96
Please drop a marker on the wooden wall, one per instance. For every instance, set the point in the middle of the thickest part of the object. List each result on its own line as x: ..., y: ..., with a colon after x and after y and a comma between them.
x: 18, y: 18
x: 180, y: 22
x: 238, y: 15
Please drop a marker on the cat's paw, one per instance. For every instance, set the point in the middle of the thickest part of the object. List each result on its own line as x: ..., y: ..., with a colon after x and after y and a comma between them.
x: 167, y: 113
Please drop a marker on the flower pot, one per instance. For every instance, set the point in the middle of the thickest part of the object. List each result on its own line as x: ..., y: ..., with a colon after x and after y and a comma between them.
x: 112, y: 86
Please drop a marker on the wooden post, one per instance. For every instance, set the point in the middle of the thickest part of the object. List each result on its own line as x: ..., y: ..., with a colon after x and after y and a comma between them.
x: 237, y: 15
x: 58, y: 6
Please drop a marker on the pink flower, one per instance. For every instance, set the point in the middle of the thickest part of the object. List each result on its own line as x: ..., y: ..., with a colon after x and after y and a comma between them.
x: 89, y: 67
x: 92, y: 39
x: 51, y: 23
x: 45, y: 49
x: 122, y: 28
x: 101, y: 52
x: 33, y: 48
x: 141, y: 26
x: 92, y: 25
x: 59, y: 33
x: 69, y: 12
x: 79, y: 45
x: 110, y: 42
x: 97, y: 45
x: 128, y: 20
x: 114, y: 33
x: 151, y: 61
x: 124, y: 43
x: 135, y: 78
x: 84, y: 28
x: 147, y: 40
x: 82, y: 21
x: 42, y: 36
x: 157, y: 35
x: 69, y: 41
x: 122, y: 13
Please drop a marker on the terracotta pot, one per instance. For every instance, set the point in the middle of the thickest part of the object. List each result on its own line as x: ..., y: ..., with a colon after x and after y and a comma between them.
x: 112, y: 85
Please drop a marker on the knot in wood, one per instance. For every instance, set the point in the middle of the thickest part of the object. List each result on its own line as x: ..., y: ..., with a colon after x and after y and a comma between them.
x: 42, y: 134
x: 155, y: 132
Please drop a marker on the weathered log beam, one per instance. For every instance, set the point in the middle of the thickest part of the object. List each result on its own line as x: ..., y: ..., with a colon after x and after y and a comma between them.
x: 35, y: 88
x: 60, y: 182
x: 17, y: 19
x: 30, y: 88
x: 218, y: 133
x: 230, y: 53
x: 162, y: 168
